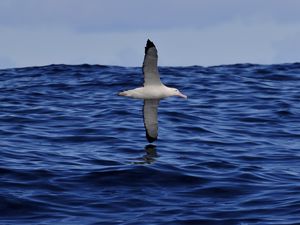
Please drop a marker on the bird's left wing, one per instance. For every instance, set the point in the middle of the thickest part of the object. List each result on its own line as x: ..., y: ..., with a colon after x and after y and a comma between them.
x: 150, y: 70
x: 150, y: 118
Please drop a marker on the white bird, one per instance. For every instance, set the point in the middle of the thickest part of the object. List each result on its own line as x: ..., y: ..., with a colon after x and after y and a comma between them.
x: 152, y: 91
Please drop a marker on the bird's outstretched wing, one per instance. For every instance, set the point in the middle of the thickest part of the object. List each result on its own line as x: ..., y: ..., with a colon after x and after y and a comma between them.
x: 150, y: 118
x: 150, y: 70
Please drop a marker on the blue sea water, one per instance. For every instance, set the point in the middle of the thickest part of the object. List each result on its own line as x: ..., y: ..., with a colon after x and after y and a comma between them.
x: 73, y: 152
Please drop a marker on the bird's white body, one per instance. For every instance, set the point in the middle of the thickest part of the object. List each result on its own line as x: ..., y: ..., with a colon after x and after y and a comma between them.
x: 152, y: 92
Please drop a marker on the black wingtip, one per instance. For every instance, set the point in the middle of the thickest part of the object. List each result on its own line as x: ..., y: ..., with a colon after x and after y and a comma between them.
x: 149, y: 45
x: 150, y: 139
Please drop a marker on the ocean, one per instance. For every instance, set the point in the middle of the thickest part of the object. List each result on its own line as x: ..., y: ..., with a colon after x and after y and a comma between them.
x: 73, y: 152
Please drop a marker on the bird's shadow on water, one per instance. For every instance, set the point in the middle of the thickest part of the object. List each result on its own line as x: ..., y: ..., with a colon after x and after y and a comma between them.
x: 149, y: 157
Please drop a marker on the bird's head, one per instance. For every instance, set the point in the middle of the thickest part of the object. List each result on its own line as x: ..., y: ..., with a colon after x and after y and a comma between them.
x: 176, y: 92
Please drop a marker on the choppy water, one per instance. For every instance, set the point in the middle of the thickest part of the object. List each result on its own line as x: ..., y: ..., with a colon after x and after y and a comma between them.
x: 73, y: 152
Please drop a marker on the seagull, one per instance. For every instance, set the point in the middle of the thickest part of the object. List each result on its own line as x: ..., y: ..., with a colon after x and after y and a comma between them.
x: 152, y: 92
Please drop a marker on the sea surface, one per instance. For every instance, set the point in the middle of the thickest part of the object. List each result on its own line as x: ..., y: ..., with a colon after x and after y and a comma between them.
x: 73, y: 152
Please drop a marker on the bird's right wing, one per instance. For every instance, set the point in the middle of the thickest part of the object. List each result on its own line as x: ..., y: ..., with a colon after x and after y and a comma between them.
x: 150, y: 118
x: 150, y: 70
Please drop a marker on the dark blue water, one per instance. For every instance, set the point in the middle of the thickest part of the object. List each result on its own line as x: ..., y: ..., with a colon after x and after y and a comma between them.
x: 73, y: 152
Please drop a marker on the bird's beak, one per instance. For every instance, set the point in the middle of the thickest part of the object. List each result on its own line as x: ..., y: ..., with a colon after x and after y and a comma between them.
x: 182, y: 95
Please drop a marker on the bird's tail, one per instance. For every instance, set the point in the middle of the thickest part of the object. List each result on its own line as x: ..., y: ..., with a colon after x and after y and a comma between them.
x: 123, y: 93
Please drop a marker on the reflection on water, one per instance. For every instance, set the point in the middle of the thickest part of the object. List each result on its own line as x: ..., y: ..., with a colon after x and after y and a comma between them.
x: 150, y: 155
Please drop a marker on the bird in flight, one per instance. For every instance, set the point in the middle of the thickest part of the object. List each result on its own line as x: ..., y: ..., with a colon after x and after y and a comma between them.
x: 152, y: 91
